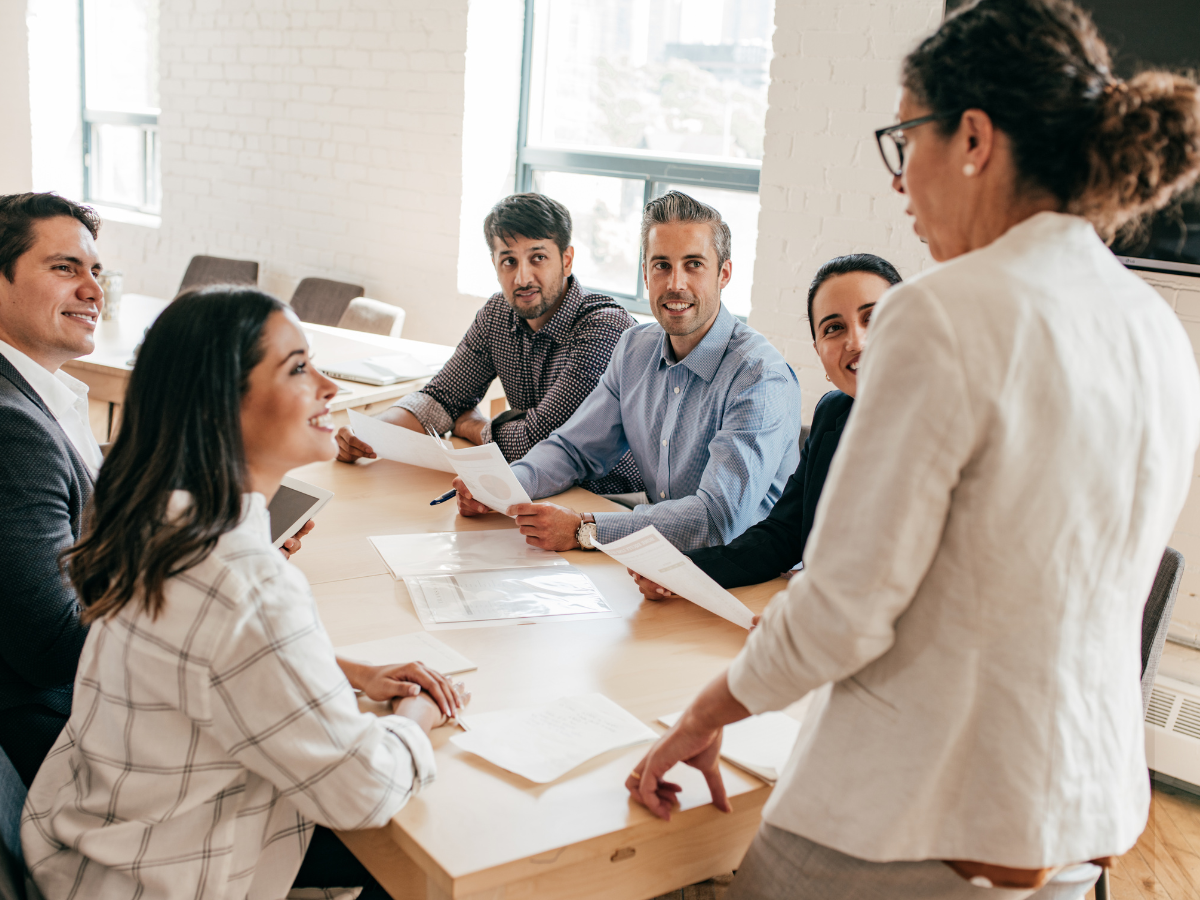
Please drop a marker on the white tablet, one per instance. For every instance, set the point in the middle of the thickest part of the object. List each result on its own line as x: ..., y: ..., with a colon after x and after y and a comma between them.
x: 294, y: 504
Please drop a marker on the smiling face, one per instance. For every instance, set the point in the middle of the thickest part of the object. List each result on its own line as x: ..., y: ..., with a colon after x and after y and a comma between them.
x: 533, y: 275
x: 684, y: 281
x: 50, y: 308
x: 842, y: 310
x: 286, y: 420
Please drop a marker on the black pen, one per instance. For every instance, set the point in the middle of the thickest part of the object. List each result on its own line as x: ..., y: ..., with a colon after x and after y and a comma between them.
x: 442, y: 499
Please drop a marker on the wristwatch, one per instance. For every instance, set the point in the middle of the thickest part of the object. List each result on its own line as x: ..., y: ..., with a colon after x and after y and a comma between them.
x: 586, y: 535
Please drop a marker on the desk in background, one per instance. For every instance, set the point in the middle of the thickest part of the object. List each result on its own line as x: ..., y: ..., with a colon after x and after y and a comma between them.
x: 482, y: 833
x: 106, y: 370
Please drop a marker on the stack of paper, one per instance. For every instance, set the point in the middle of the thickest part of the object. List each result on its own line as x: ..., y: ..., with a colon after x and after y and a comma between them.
x: 760, y: 744
x: 483, y: 469
x: 405, y: 648
x: 652, y: 556
x: 449, y: 552
x: 505, y: 597
x: 544, y: 744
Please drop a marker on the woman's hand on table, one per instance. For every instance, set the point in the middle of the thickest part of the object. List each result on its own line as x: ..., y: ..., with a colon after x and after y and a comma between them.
x: 649, y: 589
x: 467, y: 505
x: 292, y: 544
x: 426, y: 711
x: 407, y: 680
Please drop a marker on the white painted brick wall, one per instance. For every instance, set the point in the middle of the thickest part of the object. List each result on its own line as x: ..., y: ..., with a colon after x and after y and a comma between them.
x: 319, y: 137
x: 824, y: 189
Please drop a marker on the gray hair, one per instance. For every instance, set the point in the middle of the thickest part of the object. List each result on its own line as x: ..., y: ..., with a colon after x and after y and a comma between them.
x: 676, y: 206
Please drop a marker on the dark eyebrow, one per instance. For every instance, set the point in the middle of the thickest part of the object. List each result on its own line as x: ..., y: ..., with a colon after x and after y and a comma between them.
x: 867, y: 305
x: 833, y: 316
x: 300, y: 352
x: 74, y: 260
x: 700, y: 256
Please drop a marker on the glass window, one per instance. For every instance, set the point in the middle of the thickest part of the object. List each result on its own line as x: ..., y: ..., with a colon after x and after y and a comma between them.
x: 623, y: 100
x: 120, y: 103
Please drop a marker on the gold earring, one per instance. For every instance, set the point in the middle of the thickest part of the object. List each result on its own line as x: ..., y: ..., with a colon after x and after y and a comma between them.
x: 969, y: 169
x: 830, y: 380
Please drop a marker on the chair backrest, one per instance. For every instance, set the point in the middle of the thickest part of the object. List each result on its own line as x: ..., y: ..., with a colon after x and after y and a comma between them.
x: 1156, y: 619
x: 12, y: 799
x: 805, y: 431
x: 205, y: 270
x: 323, y: 302
x: 365, y: 314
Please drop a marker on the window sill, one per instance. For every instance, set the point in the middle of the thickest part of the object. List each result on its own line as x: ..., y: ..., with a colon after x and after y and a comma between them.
x: 126, y: 216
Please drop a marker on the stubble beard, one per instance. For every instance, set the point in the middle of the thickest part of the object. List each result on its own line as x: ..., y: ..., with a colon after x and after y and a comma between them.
x: 542, y: 308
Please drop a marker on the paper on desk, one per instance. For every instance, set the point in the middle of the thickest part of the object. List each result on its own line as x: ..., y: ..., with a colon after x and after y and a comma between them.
x: 760, y: 744
x: 405, y: 648
x: 504, y: 597
x: 448, y: 552
x: 486, y: 473
x: 544, y: 744
x: 399, y: 444
x: 652, y: 556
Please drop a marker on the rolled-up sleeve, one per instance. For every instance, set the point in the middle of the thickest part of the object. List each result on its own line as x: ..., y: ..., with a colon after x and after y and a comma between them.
x: 881, y: 516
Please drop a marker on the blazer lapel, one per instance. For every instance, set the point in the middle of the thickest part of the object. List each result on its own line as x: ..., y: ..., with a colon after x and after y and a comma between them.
x: 9, y: 371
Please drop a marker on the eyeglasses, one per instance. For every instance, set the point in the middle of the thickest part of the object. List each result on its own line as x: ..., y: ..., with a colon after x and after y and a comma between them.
x: 891, y: 140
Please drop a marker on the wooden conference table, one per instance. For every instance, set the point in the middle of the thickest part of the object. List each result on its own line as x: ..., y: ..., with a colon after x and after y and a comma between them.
x: 106, y: 370
x: 481, y: 832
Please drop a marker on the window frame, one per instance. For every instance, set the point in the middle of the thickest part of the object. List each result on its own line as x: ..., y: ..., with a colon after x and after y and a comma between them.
x: 655, y: 170
x: 147, y: 119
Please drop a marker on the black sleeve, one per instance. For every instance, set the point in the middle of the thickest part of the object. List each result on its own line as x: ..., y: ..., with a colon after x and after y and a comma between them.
x: 767, y: 549
x: 42, y: 635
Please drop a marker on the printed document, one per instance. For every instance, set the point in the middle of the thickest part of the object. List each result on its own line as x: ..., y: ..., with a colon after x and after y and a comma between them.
x: 544, y: 744
x: 400, y: 444
x: 505, y: 597
x: 652, y: 556
x: 760, y: 744
x: 449, y: 552
x: 405, y: 648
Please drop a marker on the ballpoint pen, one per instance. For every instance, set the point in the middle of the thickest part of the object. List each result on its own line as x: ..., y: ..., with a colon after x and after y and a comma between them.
x: 442, y: 499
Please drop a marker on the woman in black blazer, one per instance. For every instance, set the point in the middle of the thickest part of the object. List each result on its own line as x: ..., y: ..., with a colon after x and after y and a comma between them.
x: 840, y: 301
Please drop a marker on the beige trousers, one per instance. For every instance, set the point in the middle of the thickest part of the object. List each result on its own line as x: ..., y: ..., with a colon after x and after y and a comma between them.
x: 783, y: 866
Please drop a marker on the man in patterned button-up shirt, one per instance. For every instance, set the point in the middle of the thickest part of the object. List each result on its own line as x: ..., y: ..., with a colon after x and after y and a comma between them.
x: 547, y: 340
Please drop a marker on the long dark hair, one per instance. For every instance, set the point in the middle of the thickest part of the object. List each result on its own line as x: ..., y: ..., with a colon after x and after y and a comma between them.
x: 181, y: 430
x: 844, y: 265
x: 1107, y: 149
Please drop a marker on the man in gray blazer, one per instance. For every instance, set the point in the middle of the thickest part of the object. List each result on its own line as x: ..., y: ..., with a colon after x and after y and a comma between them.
x: 49, y: 308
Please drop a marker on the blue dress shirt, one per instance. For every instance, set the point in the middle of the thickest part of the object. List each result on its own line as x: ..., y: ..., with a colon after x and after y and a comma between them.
x: 715, y: 435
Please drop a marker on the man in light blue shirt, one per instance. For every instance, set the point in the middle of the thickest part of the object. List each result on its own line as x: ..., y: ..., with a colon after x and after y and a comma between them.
x: 709, y: 408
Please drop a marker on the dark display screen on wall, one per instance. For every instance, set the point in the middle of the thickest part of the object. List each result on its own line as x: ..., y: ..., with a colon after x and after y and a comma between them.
x: 1162, y: 34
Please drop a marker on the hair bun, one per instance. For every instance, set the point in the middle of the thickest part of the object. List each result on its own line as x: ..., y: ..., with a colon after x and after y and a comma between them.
x: 1145, y: 150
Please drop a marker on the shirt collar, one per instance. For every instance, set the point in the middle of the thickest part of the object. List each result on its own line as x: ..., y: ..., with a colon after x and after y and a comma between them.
x: 558, y: 329
x: 58, y: 390
x: 705, y: 358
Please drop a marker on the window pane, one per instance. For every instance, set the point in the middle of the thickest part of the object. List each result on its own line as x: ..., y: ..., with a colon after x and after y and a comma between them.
x: 606, y: 217
x: 116, y: 173
x: 663, y: 76
x: 121, y: 53
x: 739, y: 209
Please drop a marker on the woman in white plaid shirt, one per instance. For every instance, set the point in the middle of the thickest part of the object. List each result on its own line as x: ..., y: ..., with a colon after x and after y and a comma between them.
x: 212, y: 727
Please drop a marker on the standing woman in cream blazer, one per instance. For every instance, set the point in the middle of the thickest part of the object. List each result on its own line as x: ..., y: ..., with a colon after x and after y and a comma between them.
x: 975, y: 594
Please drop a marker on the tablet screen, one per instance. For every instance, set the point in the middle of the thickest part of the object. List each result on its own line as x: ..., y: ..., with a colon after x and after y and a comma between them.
x: 287, y: 508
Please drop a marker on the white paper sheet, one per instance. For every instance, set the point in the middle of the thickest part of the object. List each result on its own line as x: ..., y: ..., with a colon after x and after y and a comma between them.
x: 488, y: 477
x: 399, y: 444
x: 405, y: 648
x: 544, y: 744
x: 760, y: 744
x: 449, y: 552
x: 652, y: 556
x: 504, y: 597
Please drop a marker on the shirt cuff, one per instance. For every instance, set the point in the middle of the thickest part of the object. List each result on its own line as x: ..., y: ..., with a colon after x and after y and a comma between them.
x: 412, y: 737
x: 752, y: 685
x: 485, y: 433
x: 428, y: 411
x: 611, y: 526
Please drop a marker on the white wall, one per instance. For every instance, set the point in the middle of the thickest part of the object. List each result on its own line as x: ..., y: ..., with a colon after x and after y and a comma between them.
x: 16, y: 153
x: 320, y: 139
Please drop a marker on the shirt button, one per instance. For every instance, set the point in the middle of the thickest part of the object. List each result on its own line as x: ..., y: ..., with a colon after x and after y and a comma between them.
x: 662, y: 494
x: 677, y: 390
x: 664, y: 443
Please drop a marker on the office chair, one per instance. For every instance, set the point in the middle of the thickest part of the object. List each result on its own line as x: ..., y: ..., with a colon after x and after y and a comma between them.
x: 323, y: 302
x: 364, y: 314
x: 206, y: 270
x: 14, y: 880
x: 1156, y: 620
x: 805, y: 430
